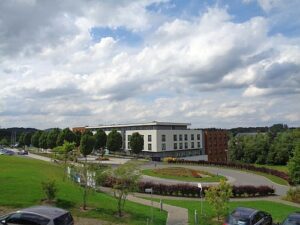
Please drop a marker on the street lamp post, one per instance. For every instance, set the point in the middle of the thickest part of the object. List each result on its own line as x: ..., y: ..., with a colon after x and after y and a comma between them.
x: 201, y: 201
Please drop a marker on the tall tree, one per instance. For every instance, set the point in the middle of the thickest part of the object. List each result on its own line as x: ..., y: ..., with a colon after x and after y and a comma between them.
x: 136, y: 143
x: 114, y: 141
x: 22, y: 139
x: 27, y: 139
x: 35, y: 139
x: 43, y: 140
x: 65, y: 135
x: 294, y: 166
x: 100, y: 138
x: 87, y: 144
x: 52, y: 138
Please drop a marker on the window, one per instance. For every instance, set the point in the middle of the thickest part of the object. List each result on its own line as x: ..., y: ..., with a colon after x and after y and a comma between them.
x: 149, y: 138
x: 64, y: 219
x: 163, y: 138
x: 129, y: 137
x: 128, y: 144
x: 192, y: 137
x: 175, y: 137
x: 198, y: 144
x: 198, y: 136
x: 150, y: 147
x: 180, y: 137
x: 180, y: 145
x: 185, y: 137
x: 192, y: 145
x: 163, y: 146
x: 186, y: 145
x: 175, y: 145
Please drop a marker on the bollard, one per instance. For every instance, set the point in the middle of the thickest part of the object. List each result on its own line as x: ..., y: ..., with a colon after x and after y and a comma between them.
x: 161, y: 205
x: 196, y: 217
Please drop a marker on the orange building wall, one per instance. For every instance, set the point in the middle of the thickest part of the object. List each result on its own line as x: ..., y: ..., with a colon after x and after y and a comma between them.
x: 216, y: 145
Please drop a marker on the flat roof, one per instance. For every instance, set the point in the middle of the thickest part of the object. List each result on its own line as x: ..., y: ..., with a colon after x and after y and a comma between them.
x: 154, y: 123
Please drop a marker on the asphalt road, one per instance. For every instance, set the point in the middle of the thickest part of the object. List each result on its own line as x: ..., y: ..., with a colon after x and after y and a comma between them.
x: 235, y: 177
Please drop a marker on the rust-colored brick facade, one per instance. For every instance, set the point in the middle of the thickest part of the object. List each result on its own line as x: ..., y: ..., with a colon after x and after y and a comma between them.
x: 216, y: 144
x: 80, y: 129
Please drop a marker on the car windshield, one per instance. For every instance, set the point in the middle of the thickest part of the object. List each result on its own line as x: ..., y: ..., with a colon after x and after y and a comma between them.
x: 235, y: 220
x: 291, y: 221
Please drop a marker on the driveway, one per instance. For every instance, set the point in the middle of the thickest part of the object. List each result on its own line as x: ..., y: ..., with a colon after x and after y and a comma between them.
x: 235, y: 177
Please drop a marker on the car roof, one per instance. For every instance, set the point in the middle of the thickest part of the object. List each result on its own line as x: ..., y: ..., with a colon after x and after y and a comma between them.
x: 295, y: 215
x: 46, y: 211
x: 243, y: 212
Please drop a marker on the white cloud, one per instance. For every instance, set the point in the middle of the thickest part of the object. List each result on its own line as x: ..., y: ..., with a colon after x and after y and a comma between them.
x: 208, y: 70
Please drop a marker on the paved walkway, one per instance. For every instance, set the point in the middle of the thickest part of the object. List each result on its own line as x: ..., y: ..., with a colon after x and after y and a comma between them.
x: 176, y: 215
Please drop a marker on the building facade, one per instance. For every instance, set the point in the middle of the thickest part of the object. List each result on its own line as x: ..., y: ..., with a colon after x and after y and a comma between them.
x: 161, y: 139
x: 216, y: 144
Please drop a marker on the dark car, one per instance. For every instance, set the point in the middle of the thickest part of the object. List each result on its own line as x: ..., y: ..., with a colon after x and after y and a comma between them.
x: 292, y: 219
x: 38, y: 215
x: 6, y: 152
x: 248, y: 216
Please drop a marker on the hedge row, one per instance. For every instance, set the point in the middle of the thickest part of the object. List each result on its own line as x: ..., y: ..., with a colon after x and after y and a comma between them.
x: 240, y: 166
x: 187, y: 190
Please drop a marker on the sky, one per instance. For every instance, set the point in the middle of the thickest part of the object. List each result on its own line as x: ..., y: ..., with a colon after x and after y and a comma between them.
x: 213, y: 63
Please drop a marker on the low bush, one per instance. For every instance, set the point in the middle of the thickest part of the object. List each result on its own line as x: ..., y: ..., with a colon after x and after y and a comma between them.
x: 50, y: 190
x: 293, y: 195
x: 240, y: 166
x: 187, y: 190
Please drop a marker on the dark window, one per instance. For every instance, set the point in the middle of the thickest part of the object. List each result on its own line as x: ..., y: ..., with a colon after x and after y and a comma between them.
x: 186, y: 145
x: 27, y: 219
x: 180, y: 137
x: 128, y: 145
x: 192, y: 137
x: 180, y: 145
x: 192, y: 145
x: 129, y: 137
x: 185, y: 137
x: 198, y: 136
x: 175, y: 145
x: 175, y: 137
x: 149, y: 138
x: 198, y: 144
x: 163, y: 146
x: 64, y: 219
x: 163, y: 138
x: 149, y: 147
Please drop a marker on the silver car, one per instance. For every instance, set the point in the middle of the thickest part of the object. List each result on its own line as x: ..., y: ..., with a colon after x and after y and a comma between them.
x: 38, y: 215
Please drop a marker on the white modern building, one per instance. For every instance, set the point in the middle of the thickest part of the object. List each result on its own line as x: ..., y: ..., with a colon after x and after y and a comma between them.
x: 161, y: 139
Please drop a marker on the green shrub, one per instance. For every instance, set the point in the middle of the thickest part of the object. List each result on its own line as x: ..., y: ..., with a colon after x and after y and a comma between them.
x: 293, y: 195
x: 50, y: 189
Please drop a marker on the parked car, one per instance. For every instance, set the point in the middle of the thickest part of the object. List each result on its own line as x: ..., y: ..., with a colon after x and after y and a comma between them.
x: 292, y: 219
x: 6, y: 152
x: 248, y: 216
x: 38, y: 215
x: 23, y: 152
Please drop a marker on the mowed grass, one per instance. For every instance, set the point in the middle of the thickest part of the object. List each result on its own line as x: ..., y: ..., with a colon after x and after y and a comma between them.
x: 183, y: 174
x: 20, y: 186
x: 277, y: 210
x: 275, y: 167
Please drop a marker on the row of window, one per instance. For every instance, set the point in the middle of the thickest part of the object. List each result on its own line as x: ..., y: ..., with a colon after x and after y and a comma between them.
x: 179, y: 137
x: 149, y: 137
x: 186, y: 146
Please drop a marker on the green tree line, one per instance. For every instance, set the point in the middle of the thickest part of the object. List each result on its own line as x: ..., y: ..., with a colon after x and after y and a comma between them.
x: 274, y: 148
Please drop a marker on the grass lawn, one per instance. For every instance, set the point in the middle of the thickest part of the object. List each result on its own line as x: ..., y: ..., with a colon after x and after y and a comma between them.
x: 274, y: 167
x: 277, y: 210
x: 183, y: 174
x: 20, y: 186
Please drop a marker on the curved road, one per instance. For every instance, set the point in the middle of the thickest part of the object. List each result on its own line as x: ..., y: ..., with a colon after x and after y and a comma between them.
x: 235, y: 177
